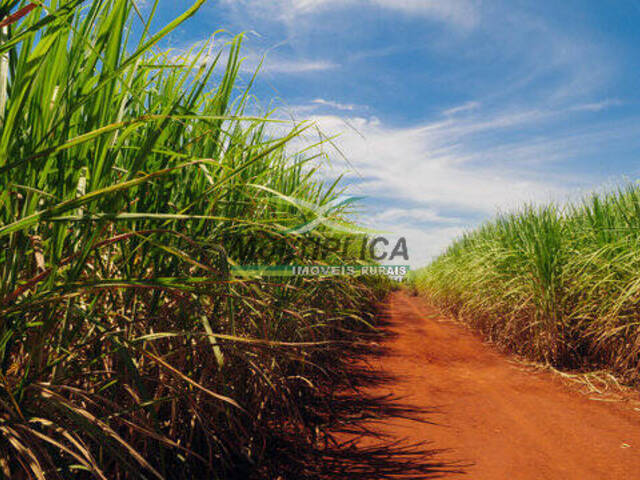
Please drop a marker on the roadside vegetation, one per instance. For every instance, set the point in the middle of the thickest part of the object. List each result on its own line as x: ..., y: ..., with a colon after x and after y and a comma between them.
x: 131, y: 182
x: 557, y: 285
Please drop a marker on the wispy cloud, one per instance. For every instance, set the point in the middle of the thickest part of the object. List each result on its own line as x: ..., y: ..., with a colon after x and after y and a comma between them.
x: 415, y: 215
x: 290, y: 66
x: 335, y: 105
x: 597, y: 106
x: 488, y: 106
x: 431, y: 181
x: 270, y: 62
x: 461, y: 13
x: 461, y: 108
x: 433, y: 164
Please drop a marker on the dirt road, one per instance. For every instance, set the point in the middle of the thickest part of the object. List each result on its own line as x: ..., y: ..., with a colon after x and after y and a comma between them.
x: 506, y: 422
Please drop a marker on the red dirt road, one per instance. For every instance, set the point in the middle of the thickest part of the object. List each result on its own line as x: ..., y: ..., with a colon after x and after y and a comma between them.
x: 506, y: 422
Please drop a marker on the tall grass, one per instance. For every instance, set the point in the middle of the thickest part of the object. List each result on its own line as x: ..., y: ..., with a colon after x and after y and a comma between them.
x: 131, y: 180
x: 557, y: 285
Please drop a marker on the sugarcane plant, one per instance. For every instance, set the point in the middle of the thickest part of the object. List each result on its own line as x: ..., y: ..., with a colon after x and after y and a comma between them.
x: 131, y: 177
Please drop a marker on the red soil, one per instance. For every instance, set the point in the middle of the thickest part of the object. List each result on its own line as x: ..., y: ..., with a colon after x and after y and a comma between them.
x: 504, y: 421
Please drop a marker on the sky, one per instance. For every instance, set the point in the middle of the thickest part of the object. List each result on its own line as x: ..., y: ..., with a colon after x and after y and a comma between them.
x: 447, y: 111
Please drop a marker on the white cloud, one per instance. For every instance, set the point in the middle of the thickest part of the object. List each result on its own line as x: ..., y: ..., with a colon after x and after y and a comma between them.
x: 435, y: 178
x: 422, y: 215
x: 335, y: 105
x: 295, y: 66
x: 433, y: 181
x: 429, y: 165
x: 461, y: 108
x: 460, y: 13
x: 597, y: 106
x: 270, y: 63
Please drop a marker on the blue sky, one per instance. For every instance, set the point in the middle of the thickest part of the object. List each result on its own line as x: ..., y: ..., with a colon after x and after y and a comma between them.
x: 449, y: 110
